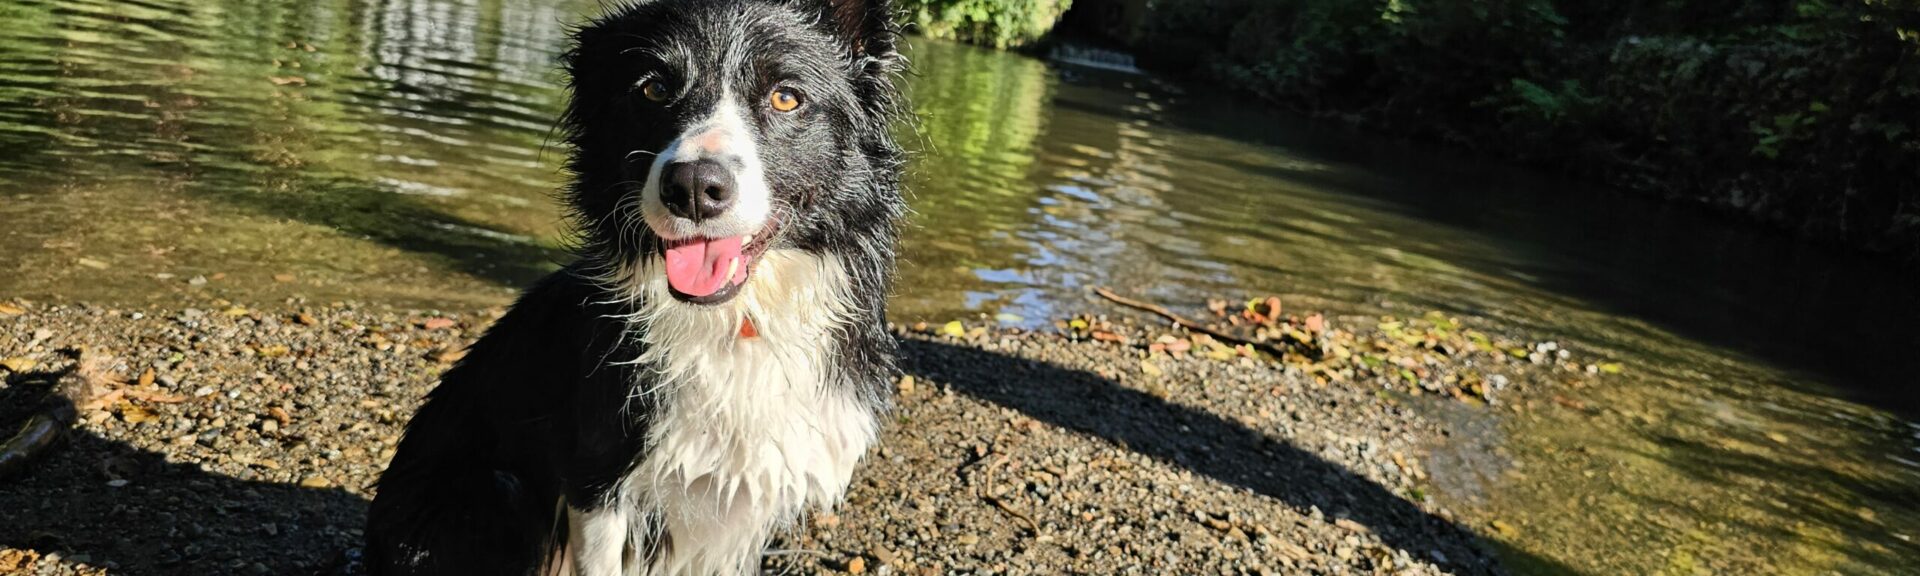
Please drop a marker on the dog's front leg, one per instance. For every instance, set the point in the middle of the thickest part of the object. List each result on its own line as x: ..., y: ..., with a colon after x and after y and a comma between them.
x: 599, y: 540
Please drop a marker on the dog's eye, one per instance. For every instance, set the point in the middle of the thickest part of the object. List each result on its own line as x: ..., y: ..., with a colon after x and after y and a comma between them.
x: 784, y: 99
x: 654, y: 90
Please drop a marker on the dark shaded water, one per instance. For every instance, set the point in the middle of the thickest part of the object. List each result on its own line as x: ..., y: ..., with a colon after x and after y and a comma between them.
x: 172, y: 151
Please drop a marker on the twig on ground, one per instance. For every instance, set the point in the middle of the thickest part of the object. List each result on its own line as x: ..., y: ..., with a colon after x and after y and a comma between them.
x: 1267, y: 347
x: 987, y: 494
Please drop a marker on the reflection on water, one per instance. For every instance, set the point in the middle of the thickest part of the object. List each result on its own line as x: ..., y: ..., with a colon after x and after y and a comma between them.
x: 152, y: 144
x: 181, y: 150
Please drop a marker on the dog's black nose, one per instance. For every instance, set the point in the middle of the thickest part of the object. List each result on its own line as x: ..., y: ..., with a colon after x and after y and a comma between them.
x: 698, y: 189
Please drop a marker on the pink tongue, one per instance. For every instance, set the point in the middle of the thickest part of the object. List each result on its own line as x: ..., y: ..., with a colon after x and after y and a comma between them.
x: 699, y: 268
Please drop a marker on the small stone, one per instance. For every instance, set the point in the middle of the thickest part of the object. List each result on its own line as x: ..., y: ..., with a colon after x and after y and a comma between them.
x: 315, y: 481
x: 857, y: 566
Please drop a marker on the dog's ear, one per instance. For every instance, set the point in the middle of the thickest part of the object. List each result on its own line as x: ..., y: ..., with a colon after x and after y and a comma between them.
x: 867, y: 27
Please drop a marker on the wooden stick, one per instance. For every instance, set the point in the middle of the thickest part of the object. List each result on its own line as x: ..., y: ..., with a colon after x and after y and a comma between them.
x: 41, y: 433
x: 1267, y: 347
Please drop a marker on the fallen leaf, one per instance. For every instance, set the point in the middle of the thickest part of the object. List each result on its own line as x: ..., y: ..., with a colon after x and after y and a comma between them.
x: 146, y: 378
x: 287, y: 80
x: 954, y: 329
x: 1151, y: 370
x: 1220, y: 352
x: 1611, y: 368
x: 1316, y: 324
x: 11, y: 310
x: 437, y: 323
x: 305, y: 318
x: 283, y: 278
x: 94, y: 264
x: 104, y: 400
x: 18, y: 364
x: 275, y: 351
x: 1503, y: 528
x: 133, y: 413
x: 151, y: 396
x: 448, y: 354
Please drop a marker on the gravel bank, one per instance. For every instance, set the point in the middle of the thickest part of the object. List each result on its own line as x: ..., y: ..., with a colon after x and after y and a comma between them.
x: 236, y: 440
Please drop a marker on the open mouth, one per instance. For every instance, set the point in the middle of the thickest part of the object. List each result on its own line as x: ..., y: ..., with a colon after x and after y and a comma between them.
x: 711, y: 270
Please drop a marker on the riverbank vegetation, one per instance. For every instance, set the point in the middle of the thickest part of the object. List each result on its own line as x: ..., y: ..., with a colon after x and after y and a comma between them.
x: 1798, y: 114
x: 996, y: 23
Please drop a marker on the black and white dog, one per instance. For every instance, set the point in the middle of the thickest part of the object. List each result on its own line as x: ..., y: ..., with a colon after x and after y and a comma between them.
x: 716, y: 361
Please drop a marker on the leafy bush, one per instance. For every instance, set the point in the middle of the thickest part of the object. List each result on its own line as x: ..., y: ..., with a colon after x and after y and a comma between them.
x: 997, y: 23
x: 1801, y: 113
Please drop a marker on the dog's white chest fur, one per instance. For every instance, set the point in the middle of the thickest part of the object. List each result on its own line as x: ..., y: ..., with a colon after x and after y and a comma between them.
x: 747, y: 431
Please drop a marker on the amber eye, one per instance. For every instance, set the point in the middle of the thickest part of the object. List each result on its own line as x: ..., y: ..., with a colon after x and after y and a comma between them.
x: 784, y: 99
x: 654, y: 90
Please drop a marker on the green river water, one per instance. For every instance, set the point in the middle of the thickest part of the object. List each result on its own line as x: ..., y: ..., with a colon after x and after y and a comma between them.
x: 169, y: 152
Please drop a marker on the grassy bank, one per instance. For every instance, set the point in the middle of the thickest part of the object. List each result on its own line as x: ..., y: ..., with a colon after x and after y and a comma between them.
x: 1800, y: 115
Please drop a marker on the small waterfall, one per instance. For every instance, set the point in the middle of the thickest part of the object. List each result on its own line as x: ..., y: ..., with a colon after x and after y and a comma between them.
x: 1094, y: 58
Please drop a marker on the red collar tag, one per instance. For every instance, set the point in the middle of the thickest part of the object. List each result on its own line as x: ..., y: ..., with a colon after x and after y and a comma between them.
x: 746, y: 329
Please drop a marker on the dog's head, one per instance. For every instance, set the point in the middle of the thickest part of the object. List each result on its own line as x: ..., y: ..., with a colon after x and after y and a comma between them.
x: 707, y: 133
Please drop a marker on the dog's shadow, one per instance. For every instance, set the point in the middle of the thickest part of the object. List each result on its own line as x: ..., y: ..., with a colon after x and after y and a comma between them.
x: 104, y: 502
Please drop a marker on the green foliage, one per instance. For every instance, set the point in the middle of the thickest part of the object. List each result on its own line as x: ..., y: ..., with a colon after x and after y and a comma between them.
x: 996, y: 23
x: 1801, y: 113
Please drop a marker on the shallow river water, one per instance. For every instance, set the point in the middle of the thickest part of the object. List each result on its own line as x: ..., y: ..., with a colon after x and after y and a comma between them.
x: 178, y: 151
